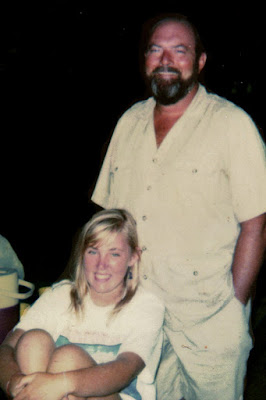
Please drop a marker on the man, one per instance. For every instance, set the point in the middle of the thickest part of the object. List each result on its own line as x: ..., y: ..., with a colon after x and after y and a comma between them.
x: 190, y: 166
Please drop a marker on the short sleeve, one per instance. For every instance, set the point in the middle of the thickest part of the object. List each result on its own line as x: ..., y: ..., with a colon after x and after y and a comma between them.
x: 102, y: 193
x: 247, y: 167
x: 146, y: 334
x: 48, y: 311
x: 120, y: 150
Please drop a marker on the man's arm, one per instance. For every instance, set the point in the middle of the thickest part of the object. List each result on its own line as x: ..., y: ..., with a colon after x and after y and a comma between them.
x: 249, y: 254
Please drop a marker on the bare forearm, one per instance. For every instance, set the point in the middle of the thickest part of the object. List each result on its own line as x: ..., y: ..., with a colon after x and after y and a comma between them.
x: 248, y: 258
x: 8, y: 365
x: 102, y: 380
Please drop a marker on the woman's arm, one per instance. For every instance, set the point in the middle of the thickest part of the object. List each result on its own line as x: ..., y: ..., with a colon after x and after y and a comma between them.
x: 97, y: 381
x: 105, y: 379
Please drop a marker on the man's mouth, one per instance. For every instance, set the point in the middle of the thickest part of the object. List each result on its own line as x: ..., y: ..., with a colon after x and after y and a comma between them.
x: 166, y: 71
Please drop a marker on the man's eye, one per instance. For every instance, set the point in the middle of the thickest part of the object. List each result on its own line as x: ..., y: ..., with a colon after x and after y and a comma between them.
x: 180, y: 51
x: 154, y: 50
x: 115, y: 254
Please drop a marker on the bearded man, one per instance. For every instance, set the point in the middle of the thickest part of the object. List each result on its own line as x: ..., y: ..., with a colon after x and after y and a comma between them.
x: 190, y: 166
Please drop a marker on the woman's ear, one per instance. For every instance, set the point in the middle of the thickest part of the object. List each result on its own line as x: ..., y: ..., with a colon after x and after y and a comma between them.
x: 135, y: 257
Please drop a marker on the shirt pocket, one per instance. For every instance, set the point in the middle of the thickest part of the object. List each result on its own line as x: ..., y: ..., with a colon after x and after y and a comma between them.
x: 203, y: 179
x: 193, y: 167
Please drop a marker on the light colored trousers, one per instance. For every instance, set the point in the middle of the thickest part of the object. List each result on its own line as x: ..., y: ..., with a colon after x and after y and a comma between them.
x: 207, y: 361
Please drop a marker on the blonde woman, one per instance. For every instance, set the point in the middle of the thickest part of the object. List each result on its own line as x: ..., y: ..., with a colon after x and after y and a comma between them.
x: 96, y: 336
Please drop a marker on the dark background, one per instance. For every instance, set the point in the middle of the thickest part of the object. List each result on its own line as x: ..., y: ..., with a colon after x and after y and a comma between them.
x: 67, y: 72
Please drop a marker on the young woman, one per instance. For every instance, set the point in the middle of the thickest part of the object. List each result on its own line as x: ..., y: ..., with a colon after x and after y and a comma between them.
x: 96, y: 336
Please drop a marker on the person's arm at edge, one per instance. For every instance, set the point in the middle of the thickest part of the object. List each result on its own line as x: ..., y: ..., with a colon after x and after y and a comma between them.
x: 8, y: 365
x: 249, y: 255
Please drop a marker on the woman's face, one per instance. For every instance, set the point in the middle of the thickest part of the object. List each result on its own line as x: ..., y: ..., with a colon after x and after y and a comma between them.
x: 106, y: 265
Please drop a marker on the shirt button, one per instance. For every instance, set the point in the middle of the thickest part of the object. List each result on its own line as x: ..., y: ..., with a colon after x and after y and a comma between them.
x: 144, y: 218
x: 144, y: 248
x: 194, y: 171
x: 154, y: 160
x: 149, y: 187
x: 145, y: 277
x: 195, y: 273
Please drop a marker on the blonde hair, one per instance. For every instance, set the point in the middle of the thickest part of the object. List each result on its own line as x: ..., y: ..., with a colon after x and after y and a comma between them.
x: 97, y: 230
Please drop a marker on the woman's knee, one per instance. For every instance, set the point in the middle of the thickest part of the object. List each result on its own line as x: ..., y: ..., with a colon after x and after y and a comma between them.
x: 33, y: 351
x: 70, y: 357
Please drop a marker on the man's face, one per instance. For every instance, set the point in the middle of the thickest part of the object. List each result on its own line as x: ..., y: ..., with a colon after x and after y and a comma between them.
x: 170, y: 63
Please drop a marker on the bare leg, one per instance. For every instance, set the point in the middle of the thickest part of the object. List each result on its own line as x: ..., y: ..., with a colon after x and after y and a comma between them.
x: 34, y: 350
x: 71, y: 357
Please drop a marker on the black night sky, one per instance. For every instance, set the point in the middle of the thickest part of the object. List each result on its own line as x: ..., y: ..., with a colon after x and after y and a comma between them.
x: 67, y: 72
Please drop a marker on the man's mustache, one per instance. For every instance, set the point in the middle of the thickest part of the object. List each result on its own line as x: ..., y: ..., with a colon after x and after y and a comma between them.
x: 166, y: 69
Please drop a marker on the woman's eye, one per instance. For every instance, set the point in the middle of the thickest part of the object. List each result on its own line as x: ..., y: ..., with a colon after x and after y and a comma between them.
x: 115, y: 254
x: 92, y: 252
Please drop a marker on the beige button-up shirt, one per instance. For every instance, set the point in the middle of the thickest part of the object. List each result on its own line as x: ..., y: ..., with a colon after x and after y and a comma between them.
x: 188, y: 197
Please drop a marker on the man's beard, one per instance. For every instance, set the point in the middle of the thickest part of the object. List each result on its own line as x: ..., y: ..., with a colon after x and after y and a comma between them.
x: 170, y: 91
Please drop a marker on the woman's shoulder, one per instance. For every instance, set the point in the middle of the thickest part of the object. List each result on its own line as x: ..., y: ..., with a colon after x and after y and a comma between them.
x: 65, y: 284
x: 61, y: 288
x: 146, y: 299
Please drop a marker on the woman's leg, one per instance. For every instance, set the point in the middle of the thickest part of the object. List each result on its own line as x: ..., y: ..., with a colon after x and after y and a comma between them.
x: 34, y: 350
x: 71, y: 357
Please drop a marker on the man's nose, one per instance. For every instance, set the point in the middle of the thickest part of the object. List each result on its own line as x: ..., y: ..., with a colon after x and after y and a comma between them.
x: 166, y: 58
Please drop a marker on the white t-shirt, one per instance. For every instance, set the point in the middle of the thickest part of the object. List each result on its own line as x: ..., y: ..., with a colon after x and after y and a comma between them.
x: 136, y: 328
x: 188, y: 197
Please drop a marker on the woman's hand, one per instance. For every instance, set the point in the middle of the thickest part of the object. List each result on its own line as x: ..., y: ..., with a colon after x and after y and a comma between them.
x: 41, y: 386
x: 14, y: 385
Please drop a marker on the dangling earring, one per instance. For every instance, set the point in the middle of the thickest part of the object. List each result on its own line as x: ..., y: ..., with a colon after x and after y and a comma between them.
x: 129, y: 273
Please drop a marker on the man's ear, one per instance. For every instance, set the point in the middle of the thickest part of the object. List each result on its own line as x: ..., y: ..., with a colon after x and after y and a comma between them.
x: 202, y: 61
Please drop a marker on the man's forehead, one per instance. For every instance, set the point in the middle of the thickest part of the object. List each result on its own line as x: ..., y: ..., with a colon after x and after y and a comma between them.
x: 167, y: 31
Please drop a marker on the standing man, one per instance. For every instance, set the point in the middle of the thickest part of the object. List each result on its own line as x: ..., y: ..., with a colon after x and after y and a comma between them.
x: 190, y: 166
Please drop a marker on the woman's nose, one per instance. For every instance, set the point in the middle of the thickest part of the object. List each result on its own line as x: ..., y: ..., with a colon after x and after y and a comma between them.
x: 102, y: 263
